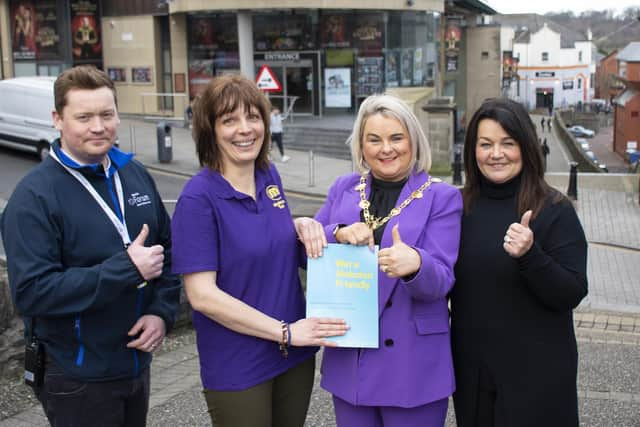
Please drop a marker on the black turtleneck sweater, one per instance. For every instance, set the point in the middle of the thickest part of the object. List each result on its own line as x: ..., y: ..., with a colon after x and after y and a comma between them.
x: 512, y: 318
x: 382, y: 198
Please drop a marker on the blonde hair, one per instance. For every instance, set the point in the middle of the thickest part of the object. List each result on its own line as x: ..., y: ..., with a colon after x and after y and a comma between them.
x: 390, y: 106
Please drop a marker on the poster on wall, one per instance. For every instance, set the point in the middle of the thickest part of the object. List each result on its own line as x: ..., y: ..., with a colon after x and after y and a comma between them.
x: 337, y: 87
x: 406, y: 67
x: 47, y: 34
x: 368, y: 76
x: 368, y: 32
x: 418, y: 67
x: 141, y: 75
x: 391, y: 68
x: 333, y: 31
x: 117, y: 74
x: 85, y: 30
x: 200, y: 74
x: 23, y: 21
x: 213, y: 33
x: 290, y: 32
x: 452, y: 39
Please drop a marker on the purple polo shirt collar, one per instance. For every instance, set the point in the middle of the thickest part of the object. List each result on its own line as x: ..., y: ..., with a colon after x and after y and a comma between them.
x: 226, y: 191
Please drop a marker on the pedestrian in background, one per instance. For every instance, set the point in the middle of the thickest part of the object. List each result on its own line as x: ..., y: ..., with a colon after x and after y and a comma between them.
x: 545, y: 152
x: 276, y: 131
x: 239, y: 250
x: 94, y: 301
x: 549, y: 124
x: 542, y: 122
x: 520, y: 273
x: 393, y: 202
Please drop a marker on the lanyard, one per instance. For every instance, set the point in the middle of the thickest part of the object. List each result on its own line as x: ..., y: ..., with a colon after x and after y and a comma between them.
x: 121, y: 226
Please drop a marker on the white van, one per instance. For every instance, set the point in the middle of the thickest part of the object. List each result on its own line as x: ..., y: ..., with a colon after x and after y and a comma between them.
x: 26, y: 104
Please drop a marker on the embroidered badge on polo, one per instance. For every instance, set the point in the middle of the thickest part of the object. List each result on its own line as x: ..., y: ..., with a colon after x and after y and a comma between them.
x: 273, y: 192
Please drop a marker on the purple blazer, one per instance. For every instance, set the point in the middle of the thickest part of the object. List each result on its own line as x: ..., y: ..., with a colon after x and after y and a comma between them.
x: 413, y: 364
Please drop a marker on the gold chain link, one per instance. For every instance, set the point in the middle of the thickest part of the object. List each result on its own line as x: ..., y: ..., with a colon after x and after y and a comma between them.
x: 376, y: 222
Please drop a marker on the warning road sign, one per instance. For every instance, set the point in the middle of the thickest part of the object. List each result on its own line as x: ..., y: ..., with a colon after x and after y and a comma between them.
x: 267, y: 81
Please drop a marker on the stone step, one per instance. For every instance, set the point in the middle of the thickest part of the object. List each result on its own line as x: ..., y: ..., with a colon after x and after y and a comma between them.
x: 327, y: 142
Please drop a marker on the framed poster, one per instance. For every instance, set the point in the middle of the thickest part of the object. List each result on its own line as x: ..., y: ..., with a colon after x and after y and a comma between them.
x: 337, y: 87
x: 117, y: 74
x: 179, y: 83
x: 141, y: 75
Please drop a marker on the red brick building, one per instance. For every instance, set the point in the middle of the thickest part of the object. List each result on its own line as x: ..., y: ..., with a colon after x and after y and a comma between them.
x: 627, y: 104
x: 607, y: 84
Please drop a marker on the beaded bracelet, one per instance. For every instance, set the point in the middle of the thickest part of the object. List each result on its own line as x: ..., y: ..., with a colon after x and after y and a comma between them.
x: 285, y: 339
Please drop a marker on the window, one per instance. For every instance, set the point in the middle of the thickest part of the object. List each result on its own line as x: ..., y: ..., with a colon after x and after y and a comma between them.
x: 580, y: 56
x: 485, y: 56
x: 545, y: 56
x: 579, y: 83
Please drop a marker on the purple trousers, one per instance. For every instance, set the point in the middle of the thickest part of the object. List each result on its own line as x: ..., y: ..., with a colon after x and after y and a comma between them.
x: 430, y: 415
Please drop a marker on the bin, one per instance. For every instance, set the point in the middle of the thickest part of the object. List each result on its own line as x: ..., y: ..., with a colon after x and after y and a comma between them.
x: 163, y: 136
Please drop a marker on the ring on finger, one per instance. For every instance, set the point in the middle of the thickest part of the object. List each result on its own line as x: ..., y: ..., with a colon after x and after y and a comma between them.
x: 507, y: 239
x: 384, y: 268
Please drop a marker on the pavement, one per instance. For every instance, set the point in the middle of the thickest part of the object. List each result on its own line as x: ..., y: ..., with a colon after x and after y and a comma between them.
x: 609, y: 316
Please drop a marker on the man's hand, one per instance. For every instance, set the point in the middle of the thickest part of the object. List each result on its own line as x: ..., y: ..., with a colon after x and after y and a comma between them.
x: 149, y: 261
x: 151, y: 329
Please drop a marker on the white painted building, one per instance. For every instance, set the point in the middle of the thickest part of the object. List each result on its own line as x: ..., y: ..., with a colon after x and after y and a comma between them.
x: 556, y: 66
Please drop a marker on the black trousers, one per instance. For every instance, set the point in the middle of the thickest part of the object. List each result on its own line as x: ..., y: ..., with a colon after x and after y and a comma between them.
x: 71, y: 403
x: 277, y: 138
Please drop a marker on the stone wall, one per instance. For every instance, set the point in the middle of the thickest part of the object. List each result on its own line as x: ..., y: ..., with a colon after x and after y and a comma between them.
x: 11, y: 331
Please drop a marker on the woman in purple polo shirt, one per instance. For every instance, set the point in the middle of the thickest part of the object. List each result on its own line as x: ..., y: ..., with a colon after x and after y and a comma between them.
x: 415, y: 219
x: 237, y: 246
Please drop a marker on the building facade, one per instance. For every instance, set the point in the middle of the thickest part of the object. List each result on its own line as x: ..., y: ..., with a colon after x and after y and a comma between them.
x: 327, y: 56
x: 45, y: 37
x: 555, y: 66
x: 626, y: 136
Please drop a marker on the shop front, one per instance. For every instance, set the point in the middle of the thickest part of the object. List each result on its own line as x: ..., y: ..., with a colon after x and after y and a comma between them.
x: 48, y: 36
x: 326, y: 60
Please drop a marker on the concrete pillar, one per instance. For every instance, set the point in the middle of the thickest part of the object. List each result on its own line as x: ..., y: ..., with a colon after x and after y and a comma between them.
x: 245, y: 45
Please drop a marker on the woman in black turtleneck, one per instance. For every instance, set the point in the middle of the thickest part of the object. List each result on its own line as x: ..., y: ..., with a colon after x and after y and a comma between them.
x: 520, y: 272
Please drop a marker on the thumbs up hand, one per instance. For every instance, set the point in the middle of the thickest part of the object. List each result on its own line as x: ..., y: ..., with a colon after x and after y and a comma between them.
x: 400, y: 259
x: 519, y: 237
x: 148, y: 260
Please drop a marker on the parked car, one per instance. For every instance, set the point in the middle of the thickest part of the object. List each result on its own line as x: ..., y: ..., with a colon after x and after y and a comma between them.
x: 578, y: 130
x: 26, y: 123
x: 583, y: 143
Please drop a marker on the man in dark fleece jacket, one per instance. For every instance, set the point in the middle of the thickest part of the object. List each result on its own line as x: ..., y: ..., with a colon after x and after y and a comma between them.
x: 89, y: 259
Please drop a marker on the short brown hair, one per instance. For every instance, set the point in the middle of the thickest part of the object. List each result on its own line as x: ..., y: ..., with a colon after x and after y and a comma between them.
x: 80, y: 77
x: 224, y: 95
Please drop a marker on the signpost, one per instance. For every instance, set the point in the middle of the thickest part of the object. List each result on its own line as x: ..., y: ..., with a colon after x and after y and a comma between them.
x: 267, y: 80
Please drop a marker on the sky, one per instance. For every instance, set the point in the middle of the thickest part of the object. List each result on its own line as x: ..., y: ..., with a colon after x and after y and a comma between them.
x: 544, y: 6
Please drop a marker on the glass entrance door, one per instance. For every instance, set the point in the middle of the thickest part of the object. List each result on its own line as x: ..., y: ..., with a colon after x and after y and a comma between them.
x: 299, y: 83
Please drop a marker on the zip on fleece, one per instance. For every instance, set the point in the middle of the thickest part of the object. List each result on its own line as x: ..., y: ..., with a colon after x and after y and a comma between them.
x: 80, y: 355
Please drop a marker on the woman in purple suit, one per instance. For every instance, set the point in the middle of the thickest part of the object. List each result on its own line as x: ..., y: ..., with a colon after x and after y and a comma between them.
x: 415, y: 219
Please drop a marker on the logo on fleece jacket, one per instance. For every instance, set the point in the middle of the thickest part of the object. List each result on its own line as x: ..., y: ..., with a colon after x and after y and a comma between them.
x: 136, y: 199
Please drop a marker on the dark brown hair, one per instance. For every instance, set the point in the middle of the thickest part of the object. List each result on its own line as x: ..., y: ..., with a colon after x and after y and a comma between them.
x: 80, y: 77
x: 516, y: 122
x: 224, y: 95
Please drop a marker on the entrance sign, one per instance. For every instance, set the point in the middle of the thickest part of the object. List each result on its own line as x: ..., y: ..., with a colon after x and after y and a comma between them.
x: 267, y: 80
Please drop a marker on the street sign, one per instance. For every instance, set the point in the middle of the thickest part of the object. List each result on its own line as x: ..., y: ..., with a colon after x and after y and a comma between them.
x: 267, y: 80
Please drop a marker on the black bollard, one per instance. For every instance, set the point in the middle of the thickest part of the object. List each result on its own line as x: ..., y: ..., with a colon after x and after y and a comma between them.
x: 572, y: 191
x: 457, y: 167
